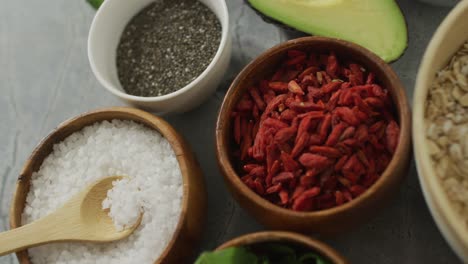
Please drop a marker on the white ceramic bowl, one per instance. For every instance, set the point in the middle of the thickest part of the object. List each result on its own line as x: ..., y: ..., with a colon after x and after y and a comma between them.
x: 104, y: 37
x: 450, y: 35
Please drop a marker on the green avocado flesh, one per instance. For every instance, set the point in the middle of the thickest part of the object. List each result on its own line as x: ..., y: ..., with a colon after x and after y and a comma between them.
x: 377, y: 25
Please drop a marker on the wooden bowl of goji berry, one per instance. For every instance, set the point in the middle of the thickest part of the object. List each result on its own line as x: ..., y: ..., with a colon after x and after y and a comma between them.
x: 314, y: 135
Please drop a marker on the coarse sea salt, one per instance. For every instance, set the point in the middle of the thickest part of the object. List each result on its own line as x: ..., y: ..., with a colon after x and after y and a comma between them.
x: 124, y: 203
x: 152, y: 185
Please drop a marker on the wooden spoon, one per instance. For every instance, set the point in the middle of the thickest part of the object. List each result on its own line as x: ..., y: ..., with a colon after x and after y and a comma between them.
x: 81, y: 219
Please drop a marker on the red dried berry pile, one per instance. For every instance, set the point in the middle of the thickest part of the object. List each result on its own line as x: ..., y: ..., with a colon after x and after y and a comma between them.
x: 316, y: 135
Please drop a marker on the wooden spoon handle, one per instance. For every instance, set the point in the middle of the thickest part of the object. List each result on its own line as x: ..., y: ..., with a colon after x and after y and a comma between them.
x: 52, y: 228
x: 23, y: 237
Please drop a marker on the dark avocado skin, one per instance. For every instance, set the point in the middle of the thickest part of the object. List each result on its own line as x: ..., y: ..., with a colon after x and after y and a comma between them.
x: 294, y: 33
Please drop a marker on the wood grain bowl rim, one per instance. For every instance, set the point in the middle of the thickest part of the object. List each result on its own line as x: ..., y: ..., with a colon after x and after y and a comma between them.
x: 317, y: 246
x: 182, y: 152
x: 440, y: 206
x: 401, y: 105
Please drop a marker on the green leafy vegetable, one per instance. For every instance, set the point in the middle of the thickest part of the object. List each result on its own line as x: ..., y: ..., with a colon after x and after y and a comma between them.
x: 95, y: 3
x: 234, y: 255
x: 277, y: 249
x: 275, y: 253
x: 311, y: 257
x: 267, y: 253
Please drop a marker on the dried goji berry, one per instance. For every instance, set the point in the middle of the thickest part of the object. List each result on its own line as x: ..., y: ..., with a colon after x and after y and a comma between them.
x: 269, y: 96
x: 292, y: 74
x: 356, y: 190
x: 278, y: 76
x: 296, y: 60
x: 392, y: 134
x: 285, y: 134
x: 345, y: 182
x: 289, y: 164
x: 339, y: 198
x: 257, y: 98
x: 305, y: 106
x: 247, y: 141
x: 275, y: 102
x: 300, y: 204
x: 308, y: 180
x: 275, y: 188
x: 295, y: 53
x: 284, y: 196
x: 259, y: 187
x: 347, y: 115
x: 357, y: 76
x: 331, y: 87
x: 295, y: 88
x: 316, y: 134
x: 362, y: 157
x: 288, y: 115
x: 272, y: 171
x: 279, y: 87
x: 335, y: 135
x: 258, y: 172
x: 332, y: 65
x: 298, y: 191
x: 325, y: 151
x: 237, y: 129
x: 341, y: 162
x: 275, y: 123
x: 315, y: 161
x: 370, y: 78
x: 307, y: 71
x: 282, y: 177
x: 315, y: 140
x: 272, y: 154
x: 248, y: 167
x: 347, y: 133
x: 301, y: 142
x: 245, y: 105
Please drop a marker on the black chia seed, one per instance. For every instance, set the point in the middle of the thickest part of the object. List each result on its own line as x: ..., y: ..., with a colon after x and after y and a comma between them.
x: 166, y: 46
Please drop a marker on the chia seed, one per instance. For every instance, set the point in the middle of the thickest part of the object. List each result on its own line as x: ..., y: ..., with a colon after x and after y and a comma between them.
x: 166, y: 46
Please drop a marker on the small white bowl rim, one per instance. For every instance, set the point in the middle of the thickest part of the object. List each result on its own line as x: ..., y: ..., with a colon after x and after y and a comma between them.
x: 224, y: 19
x: 438, y: 202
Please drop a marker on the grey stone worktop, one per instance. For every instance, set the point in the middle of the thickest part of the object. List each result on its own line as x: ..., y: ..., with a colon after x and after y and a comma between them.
x: 45, y: 78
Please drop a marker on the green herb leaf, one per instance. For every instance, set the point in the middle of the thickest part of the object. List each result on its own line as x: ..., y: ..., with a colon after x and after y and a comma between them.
x: 309, y: 257
x: 277, y: 253
x: 264, y: 260
x: 233, y: 255
x: 95, y: 3
x: 278, y: 249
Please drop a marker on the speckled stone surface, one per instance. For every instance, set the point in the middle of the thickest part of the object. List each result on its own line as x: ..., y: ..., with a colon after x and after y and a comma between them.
x: 45, y: 78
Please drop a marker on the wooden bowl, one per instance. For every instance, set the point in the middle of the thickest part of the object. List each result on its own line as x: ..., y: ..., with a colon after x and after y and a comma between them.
x: 450, y: 35
x: 289, y: 238
x: 191, y: 219
x: 337, y: 219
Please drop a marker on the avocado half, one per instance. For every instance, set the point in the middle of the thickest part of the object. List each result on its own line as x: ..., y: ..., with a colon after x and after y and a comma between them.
x: 378, y: 25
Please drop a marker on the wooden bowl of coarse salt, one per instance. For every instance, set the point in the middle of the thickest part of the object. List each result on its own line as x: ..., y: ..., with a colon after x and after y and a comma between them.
x: 167, y: 184
x: 440, y: 128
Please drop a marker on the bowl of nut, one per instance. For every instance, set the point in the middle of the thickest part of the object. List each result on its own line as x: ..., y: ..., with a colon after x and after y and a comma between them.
x: 440, y: 128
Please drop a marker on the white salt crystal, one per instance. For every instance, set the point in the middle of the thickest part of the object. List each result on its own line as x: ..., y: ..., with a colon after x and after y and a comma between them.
x: 153, y: 186
x: 124, y: 202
